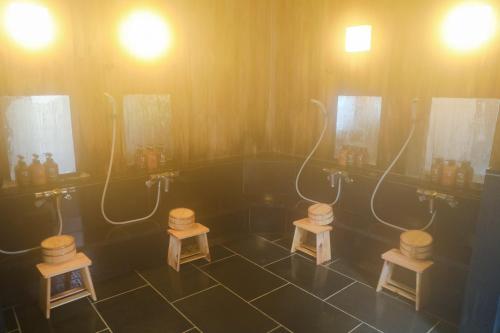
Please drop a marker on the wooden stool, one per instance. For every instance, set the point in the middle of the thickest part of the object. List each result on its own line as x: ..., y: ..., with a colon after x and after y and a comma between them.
x: 395, y: 257
x: 81, y: 263
x: 322, y: 252
x: 175, y: 255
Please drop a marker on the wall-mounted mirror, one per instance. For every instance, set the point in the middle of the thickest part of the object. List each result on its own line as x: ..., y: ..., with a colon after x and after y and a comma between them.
x: 38, y: 125
x: 462, y: 129
x: 147, y: 120
x: 358, y: 124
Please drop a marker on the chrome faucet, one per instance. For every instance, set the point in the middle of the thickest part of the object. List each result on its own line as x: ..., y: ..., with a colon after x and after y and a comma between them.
x: 165, y: 177
x: 432, y: 196
x: 334, y: 175
x: 42, y: 197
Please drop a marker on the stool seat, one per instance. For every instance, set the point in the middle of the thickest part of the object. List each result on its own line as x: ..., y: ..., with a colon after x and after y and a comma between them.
x: 195, y: 230
x: 322, y: 250
x: 395, y: 257
x: 51, y: 270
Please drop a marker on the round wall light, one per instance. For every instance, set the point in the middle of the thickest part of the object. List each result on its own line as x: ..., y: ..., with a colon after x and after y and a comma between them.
x: 29, y: 24
x: 145, y: 34
x: 469, y: 25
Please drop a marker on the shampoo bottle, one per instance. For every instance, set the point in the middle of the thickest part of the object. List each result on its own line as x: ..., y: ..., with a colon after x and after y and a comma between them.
x: 22, y: 172
x: 51, y: 168
x: 37, y: 171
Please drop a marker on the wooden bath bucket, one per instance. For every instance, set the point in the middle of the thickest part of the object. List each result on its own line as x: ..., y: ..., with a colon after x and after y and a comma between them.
x: 58, y: 249
x: 320, y: 214
x: 181, y: 219
x: 416, y: 244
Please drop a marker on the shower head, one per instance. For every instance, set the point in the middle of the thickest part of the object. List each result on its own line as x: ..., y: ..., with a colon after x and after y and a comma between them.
x: 320, y: 105
x: 111, y: 101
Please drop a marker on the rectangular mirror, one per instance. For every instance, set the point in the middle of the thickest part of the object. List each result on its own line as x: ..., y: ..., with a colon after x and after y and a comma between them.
x: 147, y: 121
x: 462, y: 129
x: 358, y: 124
x: 38, y: 125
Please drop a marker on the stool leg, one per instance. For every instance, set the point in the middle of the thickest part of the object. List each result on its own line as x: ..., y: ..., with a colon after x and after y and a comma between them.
x: 385, y: 275
x: 87, y: 282
x: 323, y: 252
x: 418, y: 292
x: 297, y: 239
x: 45, y: 291
x: 203, y: 246
x: 174, y: 253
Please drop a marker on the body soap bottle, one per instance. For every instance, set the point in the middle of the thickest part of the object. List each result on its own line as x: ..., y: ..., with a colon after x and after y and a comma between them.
x: 51, y: 168
x: 22, y: 172
x: 37, y: 171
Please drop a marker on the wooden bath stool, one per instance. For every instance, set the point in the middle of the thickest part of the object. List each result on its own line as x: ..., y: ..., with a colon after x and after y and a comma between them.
x: 80, y: 263
x: 175, y: 255
x: 395, y: 257
x: 322, y: 251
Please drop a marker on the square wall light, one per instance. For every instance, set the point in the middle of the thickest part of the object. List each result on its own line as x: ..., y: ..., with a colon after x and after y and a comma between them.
x: 358, y: 38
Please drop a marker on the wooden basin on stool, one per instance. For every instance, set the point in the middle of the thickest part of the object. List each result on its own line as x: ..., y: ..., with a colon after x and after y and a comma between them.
x: 416, y: 244
x: 320, y: 214
x: 181, y: 219
x: 58, y: 249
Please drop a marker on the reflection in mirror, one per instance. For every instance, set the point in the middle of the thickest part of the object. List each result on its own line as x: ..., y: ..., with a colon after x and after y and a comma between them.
x: 38, y: 125
x: 358, y: 124
x: 462, y: 129
x: 146, y: 123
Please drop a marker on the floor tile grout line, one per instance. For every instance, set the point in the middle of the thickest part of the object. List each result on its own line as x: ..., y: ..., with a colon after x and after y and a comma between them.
x: 355, y: 328
x: 100, y: 315
x: 269, y: 292
x: 120, y: 294
x: 17, y: 319
x: 103, y: 330
x: 172, y: 305
x: 341, y: 290
x: 274, y: 329
x: 244, y: 300
x: 196, y: 293
x: 218, y: 260
x: 273, y: 262
x: 433, y: 327
x: 188, y: 330
x: 310, y: 293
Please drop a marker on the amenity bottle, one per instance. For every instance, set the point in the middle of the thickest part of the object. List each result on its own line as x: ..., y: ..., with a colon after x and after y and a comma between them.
x: 37, y: 172
x: 22, y: 172
x: 51, y: 168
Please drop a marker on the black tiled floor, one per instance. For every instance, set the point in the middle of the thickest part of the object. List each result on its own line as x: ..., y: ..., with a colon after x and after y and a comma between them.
x: 301, y: 312
x: 258, y: 249
x: 174, y: 285
x: 78, y: 316
x: 217, y: 310
x: 142, y: 310
x: 243, y: 277
x: 365, y: 329
x: 117, y: 285
x: 443, y: 327
x: 345, y: 267
x: 217, y: 252
x: 280, y: 330
x: 381, y: 311
x: 318, y: 280
x: 10, y: 319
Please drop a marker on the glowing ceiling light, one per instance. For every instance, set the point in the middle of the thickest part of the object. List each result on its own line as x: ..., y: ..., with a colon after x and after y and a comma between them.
x: 145, y: 34
x: 29, y: 24
x: 358, y: 38
x: 469, y: 26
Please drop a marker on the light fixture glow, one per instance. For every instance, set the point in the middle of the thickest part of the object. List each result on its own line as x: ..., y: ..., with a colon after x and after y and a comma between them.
x: 145, y: 34
x: 469, y: 26
x: 29, y: 24
x: 358, y: 38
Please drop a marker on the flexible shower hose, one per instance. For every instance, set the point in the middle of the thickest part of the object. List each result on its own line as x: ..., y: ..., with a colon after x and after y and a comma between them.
x: 59, y: 232
x: 325, y: 125
x: 108, y: 176
x: 386, y: 172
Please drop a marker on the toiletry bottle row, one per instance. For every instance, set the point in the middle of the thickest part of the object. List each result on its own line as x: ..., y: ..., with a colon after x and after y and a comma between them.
x: 352, y: 156
x: 37, y: 173
x: 448, y: 173
x: 150, y: 159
